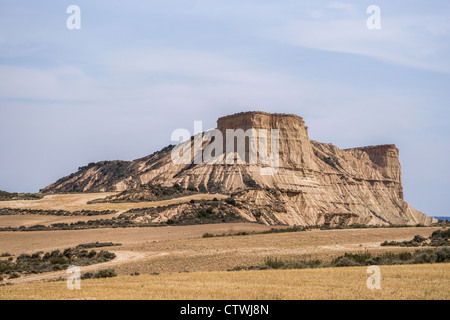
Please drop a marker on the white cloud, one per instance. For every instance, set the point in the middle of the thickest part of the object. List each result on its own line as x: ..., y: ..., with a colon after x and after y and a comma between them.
x: 341, y: 5
x: 62, y: 83
x: 416, y: 42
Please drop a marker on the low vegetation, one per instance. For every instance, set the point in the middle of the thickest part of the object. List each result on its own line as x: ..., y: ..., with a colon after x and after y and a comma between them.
x: 8, y: 196
x: 97, y: 245
x: 438, y: 238
x: 148, y: 192
x: 194, y: 212
x: 82, y: 225
x: 245, y: 233
x: 11, y: 211
x: 5, y: 254
x: 104, y: 273
x: 111, y: 170
x: 356, y: 259
x: 39, y: 262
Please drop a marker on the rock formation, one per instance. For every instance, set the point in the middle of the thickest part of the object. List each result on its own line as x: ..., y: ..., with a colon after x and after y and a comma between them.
x: 315, y: 184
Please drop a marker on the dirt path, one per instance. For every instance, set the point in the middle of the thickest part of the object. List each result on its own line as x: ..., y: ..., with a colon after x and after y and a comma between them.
x: 121, y: 257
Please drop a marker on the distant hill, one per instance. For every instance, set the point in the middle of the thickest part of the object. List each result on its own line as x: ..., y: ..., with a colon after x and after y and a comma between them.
x: 7, y: 196
x: 442, y: 218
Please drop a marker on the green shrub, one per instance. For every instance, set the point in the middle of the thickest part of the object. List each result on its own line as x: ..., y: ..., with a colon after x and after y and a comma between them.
x: 274, y: 263
x: 418, y: 238
x: 443, y: 255
x: 345, y: 262
x: 230, y: 201
x: 92, y: 254
x: 106, y: 255
x: 208, y: 235
x: 405, y: 256
x: 87, y: 275
x: 58, y: 260
x: 425, y: 257
x: 353, y: 259
x: 105, y: 273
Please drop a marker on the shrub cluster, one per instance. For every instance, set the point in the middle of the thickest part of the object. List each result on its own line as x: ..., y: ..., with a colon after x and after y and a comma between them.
x: 148, y: 192
x: 388, y: 258
x: 97, y: 245
x: 245, y: 233
x: 7, y: 196
x: 39, y: 262
x: 438, y: 238
x: 104, y: 273
x: 81, y: 225
x: 10, y: 211
x: 357, y: 259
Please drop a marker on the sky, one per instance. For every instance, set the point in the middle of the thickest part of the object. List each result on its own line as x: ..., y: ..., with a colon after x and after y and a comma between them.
x: 137, y: 70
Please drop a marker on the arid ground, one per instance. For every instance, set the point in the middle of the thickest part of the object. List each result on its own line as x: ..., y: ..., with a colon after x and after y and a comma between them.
x: 177, y: 262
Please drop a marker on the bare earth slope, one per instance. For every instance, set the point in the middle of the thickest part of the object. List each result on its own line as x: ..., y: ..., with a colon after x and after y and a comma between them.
x: 316, y: 184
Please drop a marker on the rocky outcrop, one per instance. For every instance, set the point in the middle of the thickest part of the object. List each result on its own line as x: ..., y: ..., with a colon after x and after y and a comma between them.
x: 314, y: 184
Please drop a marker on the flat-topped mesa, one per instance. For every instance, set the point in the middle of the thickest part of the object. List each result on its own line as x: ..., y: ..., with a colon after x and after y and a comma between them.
x: 385, y: 156
x: 316, y: 184
x: 294, y: 146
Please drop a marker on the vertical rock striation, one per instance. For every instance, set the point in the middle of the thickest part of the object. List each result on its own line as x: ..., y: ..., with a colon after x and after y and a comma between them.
x: 315, y: 184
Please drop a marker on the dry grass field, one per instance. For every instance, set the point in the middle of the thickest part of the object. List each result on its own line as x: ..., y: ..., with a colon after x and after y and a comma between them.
x: 182, y: 248
x: 397, y: 282
x: 34, y: 219
x: 78, y: 201
x: 193, y: 267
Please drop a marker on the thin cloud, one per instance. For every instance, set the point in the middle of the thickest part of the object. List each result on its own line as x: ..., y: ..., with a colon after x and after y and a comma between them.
x: 415, y: 42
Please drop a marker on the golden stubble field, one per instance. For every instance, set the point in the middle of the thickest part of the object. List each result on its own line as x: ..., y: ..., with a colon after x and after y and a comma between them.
x: 397, y: 282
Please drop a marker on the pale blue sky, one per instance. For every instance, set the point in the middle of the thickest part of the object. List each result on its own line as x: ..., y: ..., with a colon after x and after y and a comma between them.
x: 137, y: 70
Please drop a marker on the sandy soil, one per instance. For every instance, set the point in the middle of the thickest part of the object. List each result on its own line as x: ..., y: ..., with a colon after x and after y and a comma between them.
x: 16, y: 242
x: 173, y: 249
x: 75, y: 202
x: 78, y: 202
x: 34, y: 219
x: 182, y: 248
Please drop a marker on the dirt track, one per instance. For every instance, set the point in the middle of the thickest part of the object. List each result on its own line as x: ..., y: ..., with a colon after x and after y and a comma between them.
x: 182, y: 248
x: 121, y: 257
x: 171, y: 249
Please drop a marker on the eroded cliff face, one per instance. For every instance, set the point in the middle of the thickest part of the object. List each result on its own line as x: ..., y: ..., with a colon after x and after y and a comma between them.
x: 315, y: 183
